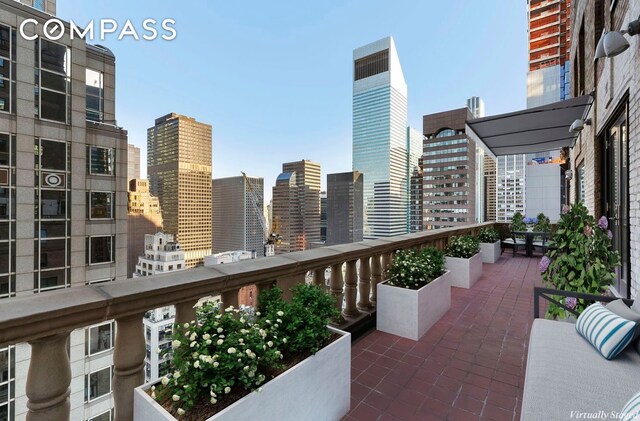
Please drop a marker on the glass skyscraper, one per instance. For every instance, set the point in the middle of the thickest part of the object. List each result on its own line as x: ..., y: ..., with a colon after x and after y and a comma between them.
x: 380, y: 145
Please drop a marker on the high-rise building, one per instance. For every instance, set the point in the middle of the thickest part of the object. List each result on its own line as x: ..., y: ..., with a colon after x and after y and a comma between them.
x: 416, y: 197
x: 299, y: 220
x: 490, y: 188
x: 179, y: 167
x: 549, y: 51
x: 63, y: 188
x: 161, y: 254
x: 449, y: 162
x: 133, y: 162
x: 476, y: 105
x: 236, y: 218
x: 145, y: 217
x: 380, y: 137
x: 344, y: 207
x: 323, y: 216
x: 510, y: 186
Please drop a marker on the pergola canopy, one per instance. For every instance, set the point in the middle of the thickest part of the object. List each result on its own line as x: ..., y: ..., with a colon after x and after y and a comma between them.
x: 532, y: 130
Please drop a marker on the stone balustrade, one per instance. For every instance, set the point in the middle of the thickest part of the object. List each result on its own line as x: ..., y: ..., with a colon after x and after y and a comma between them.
x: 45, y: 320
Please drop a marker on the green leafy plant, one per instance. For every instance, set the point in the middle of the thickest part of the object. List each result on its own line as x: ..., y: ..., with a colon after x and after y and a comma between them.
x: 415, y: 269
x: 517, y: 222
x: 543, y: 223
x: 224, y: 355
x: 489, y: 235
x: 464, y: 246
x: 584, y: 260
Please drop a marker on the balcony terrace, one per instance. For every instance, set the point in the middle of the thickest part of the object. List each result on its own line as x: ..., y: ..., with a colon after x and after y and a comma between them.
x: 470, y: 365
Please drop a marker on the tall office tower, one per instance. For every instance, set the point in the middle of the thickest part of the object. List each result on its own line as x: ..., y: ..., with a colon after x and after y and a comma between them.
x: 323, y: 216
x: 62, y: 192
x: 285, y: 211
x: 490, y: 188
x: 161, y: 255
x: 416, y: 207
x: 145, y: 217
x: 415, y: 140
x: 549, y: 51
x: 449, y: 162
x: 236, y: 218
x: 380, y: 137
x: 308, y: 182
x: 179, y: 167
x: 133, y: 162
x: 510, y: 186
x: 476, y: 105
x: 344, y: 207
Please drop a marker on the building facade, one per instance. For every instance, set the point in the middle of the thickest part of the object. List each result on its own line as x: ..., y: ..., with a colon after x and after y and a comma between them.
x: 62, y: 193
x: 144, y: 217
x: 416, y: 197
x: 344, y: 207
x: 605, y: 159
x: 133, y: 162
x: 510, y: 186
x: 449, y: 167
x: 179, y: 167
x: 236, y: 217
x: 323, y: 216
x: 490, y: 184
x: 380, y: 137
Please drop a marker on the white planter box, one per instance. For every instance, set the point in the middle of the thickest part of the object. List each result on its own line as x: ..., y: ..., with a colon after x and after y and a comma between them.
x: 317, y: 389
x: 490, y: 252
x: 410, y: 313
x: 465, y: 272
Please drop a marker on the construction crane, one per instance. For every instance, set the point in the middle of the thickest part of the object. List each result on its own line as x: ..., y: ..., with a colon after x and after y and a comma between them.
x: 270, y: 239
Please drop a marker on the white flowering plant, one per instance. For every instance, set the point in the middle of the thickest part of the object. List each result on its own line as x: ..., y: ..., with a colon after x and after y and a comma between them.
x: 489, y: 235
x: 414, y: 269
x: 464, y: 246
x: 222, y: 356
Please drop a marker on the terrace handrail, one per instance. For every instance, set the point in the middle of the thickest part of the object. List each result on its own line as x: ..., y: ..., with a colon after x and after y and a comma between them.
x: 548, y: 293
x: 45, y: 320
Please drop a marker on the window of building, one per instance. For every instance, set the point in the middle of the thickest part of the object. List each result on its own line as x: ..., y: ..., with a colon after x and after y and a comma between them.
x: 98, y: 384
x: 101, y: 205
x: 101, y: 249
x: 95, y: 95
x: 100, y: 281
x: 99, y: 338
x: 105, y: 416
x: 53, y: 83
x: 371, y: 65
x: 446, y: 133
x: 100, y: 161
x: 7, y: 69
x: 580, y: 183
x: 7, y: 383
x: 39, y: 4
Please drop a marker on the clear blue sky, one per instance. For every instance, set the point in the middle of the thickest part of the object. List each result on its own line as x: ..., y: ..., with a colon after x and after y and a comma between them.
x: 274, y: 77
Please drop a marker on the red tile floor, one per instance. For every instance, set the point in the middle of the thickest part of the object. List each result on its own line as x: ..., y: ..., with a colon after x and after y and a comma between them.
x: 469, y: 366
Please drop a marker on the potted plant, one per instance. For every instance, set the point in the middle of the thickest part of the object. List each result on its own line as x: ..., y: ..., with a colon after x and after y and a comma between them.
x: 543, y: 224
x: 274, y: 364
x: 489, y: 244
x: 464, y: 260
x: 583, y: 259
x: 517, y: 222
x: 416, y: 294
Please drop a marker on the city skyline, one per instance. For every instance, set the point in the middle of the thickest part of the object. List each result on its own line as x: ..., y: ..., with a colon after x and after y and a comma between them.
x: 294, y: 91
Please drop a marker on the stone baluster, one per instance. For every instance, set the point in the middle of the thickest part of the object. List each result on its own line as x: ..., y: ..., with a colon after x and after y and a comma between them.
x: 318, y: 277
x: 287, y: 283
x: 229, y: 298
x: 263, y: 286
x: 336, y: 284
x: 376, y: 276
x: 364, y: 286
x: 350, y: 289
x: 186, y: 311
x: 128, y: 361
x: 386, y: 262
x: 48, y: 379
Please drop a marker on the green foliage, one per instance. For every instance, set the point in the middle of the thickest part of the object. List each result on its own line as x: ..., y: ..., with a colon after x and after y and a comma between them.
x: 464, y: 246
x: 517, y: 222
x: 236, y: 351
x: 415, y: 269
x: 300, y: 325
x: 543, y: 223
x: 584, y: 260
x: 489, y: 235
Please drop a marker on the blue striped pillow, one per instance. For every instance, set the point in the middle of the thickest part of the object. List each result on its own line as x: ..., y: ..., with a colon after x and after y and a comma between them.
x: 631, y: 411
x: 606, y: 331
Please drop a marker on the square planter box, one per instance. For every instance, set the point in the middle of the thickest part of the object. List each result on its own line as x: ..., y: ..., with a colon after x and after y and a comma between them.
x: 317, y: 389
x: 410, y: 313
x: 490, y: 252
x: 465, y: 272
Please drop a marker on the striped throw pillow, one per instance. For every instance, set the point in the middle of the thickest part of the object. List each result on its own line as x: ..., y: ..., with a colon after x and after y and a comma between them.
x: 606, y: 331
x: 631, y: 411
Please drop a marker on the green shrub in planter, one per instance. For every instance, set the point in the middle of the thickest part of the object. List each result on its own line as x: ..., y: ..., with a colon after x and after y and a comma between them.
x: 543, y: 224
x: 517, y: 222
x: 489, y: 235
x: 464, y: 246
x: 415, y: 269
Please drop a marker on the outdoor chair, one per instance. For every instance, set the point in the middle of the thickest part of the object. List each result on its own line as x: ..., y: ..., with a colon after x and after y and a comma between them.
x: 513, y: 243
